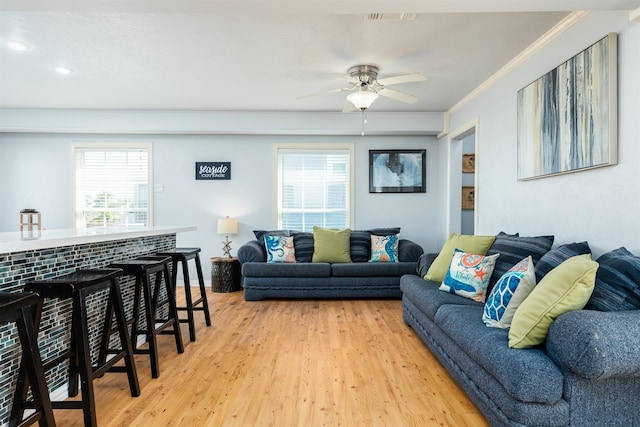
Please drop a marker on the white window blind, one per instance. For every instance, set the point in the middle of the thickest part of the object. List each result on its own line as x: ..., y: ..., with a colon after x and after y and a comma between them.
x: 112, y: 186
x: 314, y: 188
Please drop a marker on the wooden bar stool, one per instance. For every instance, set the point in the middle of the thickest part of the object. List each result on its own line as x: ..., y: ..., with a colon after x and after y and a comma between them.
x: 23, y: 309
x: 183, y: 255
x: 146, y: 270
x: 78, y: 287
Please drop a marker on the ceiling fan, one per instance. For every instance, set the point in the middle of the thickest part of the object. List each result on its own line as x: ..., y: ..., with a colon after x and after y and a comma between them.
x: 364, y: 78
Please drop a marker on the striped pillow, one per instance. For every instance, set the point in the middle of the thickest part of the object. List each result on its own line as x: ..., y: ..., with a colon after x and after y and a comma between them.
x: 303, y: 243
x: 513, y: 248
x: 360, y: 241
x: 557, y: 256
x: 617, y: 282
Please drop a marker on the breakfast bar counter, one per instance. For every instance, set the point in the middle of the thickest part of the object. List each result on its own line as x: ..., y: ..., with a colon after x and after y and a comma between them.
x: 41, y: 255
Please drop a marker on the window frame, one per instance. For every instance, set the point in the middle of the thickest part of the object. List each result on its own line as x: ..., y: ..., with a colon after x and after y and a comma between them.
x: 348, y: 148
x: 113, y: 146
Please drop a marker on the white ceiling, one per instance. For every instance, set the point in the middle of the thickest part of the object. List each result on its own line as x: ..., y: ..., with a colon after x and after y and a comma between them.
x: 259, y: 55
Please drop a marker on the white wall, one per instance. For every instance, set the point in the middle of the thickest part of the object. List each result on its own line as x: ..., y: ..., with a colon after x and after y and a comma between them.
x: 35, y: 170
x: 600, y: 205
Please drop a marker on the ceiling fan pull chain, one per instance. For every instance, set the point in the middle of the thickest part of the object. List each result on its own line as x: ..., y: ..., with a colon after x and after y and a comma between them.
x: 364, y: 120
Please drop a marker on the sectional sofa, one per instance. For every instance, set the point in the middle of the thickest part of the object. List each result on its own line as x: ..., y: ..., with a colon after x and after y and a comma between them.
x: 585, y: 372
x: 356, y: 278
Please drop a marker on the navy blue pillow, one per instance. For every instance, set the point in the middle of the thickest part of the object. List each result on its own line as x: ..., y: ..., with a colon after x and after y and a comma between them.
x: 303, y: 245
x: 384, y: 231
x: 557, y: 256
x: 513, y: 249
x: 360, y: 242
x: 617, y: 282
x: 260, y: 234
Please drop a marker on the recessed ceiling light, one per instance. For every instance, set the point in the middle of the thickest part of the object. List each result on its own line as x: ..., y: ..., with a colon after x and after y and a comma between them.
x: 17, y: 45
x: 64, y: 70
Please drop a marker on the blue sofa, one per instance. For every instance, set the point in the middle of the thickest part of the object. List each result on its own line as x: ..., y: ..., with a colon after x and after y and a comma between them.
x: 305, y: 279
x: 587, y: 373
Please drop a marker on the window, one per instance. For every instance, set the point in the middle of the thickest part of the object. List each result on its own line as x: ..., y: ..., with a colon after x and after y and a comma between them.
x: 112, y: 185
x: 314, y: 186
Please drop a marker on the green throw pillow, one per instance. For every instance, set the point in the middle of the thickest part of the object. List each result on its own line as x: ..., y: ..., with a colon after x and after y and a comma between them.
x: 331, y: 245
x: 478, y: 245
x: 566, y: 288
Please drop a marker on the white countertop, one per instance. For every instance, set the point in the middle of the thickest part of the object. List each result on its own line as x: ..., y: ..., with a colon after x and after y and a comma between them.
x: 15, y: 241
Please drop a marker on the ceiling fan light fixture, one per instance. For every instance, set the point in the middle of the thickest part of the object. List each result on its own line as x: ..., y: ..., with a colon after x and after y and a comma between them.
x: 363, y: 98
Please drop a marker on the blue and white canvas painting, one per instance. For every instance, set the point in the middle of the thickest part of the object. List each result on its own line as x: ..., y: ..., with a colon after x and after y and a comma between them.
x: 567, y: 118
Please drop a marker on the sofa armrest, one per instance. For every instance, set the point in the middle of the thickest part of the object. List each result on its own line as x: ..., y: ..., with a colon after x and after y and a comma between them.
x: 596, y: 344
x: 424, y: 262
x: 409, y: 251
x: 252, y: 251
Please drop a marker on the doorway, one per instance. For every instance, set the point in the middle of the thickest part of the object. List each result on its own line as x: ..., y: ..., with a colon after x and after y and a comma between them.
x: 463, y: 179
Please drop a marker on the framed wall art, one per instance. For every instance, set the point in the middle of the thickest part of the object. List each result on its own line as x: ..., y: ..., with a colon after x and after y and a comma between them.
x: 468, y: 197
x: 397, y: 171
x: 468, y: 163
x: 213, y: 170
x: 567, y: 119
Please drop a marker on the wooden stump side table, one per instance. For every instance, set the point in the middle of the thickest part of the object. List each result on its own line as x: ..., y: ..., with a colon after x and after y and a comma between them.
x: 225, y: 275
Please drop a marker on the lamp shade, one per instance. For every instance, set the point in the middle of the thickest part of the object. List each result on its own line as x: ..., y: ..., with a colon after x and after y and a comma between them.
x: 227, y: 226
x: 363, y: 98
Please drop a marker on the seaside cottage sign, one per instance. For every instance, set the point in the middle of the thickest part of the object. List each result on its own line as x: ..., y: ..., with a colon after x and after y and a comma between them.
x: 213, y: 170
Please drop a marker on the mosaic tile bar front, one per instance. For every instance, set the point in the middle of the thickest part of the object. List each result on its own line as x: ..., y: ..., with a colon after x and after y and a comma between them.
x: 18, y: 268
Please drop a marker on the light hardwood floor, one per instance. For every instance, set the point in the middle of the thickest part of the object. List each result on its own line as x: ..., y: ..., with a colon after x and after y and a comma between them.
x: 289, y: 363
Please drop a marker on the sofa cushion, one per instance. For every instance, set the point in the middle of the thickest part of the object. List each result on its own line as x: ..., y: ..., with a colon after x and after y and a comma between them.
x: 426, y: 296
x: 330, y: 245
x: 384, y: 231
x: 360, y: 242
x: 262, y: 269
x: 617, y: 282
x: 507, y: 295
x: 565, y: 288
x: 303, y: 244
x: 557, y: 256
x: 468, y: 275
x: 260, y: 234
x: 368, y: 269
x: 512, y: 248
x: 279, y: 248
x: 472, y: 244
x: 384, y: 248
x: 527, y: 375
x: 409, y: 251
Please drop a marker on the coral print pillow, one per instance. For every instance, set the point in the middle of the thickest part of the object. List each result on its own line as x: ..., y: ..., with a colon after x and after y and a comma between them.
x: 384, y: 248
x: 468, y: 275
x: 279, y: 248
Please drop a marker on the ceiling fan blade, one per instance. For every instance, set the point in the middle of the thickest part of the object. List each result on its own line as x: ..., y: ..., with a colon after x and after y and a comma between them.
x: 349, y: 107
x: 406, y: 78
x: 398, y: 96
x: 342, y: 89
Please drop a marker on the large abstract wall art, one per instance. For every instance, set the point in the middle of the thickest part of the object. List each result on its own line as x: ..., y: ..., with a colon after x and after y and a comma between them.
x: 567, y: 119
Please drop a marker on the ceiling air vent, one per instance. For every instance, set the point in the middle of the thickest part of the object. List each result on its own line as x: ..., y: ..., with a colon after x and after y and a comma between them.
x: 390, y: 16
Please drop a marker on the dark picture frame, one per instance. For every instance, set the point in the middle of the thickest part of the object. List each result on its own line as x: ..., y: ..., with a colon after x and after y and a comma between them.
x: 397, y: 171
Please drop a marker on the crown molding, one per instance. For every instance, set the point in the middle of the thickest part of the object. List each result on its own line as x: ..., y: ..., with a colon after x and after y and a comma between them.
x: 545, y: 39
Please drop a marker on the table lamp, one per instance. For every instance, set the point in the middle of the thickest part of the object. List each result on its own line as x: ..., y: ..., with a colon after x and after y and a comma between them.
x: 227, y: 226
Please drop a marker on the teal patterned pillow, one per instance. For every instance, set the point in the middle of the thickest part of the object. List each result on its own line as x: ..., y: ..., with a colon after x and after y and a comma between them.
x: 505, y: 297
x: 468, y: 275
x: 279, y: 248
x: 384, y: 248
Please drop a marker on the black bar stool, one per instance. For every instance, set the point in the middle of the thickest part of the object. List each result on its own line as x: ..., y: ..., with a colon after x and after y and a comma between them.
x: 144, y: 269
x: 77, y: 287
x: 23, y: 308
x: 183, y: 255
